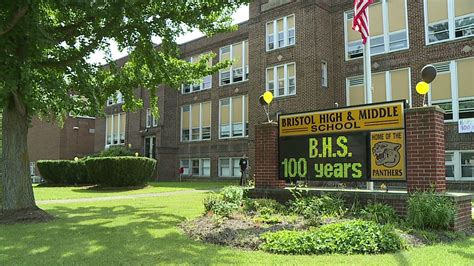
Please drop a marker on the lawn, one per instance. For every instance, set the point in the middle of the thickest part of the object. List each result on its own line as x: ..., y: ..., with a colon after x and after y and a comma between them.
x: 143, y: 231
x: 75, y: 192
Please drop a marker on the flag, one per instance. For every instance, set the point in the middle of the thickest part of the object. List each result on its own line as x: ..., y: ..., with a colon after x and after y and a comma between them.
x: 360, y: 22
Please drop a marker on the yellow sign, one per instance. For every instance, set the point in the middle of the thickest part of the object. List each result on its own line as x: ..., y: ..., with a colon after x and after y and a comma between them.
x: 387, y: 155
x: 363, y: 118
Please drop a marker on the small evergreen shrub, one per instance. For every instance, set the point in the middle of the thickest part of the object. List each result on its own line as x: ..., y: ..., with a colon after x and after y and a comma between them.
x: 114, y: 151
x: 379, y: 213
x: 430, y: 210
x: 63, y: 172
x: 353, y: 237
x: 120, y: 171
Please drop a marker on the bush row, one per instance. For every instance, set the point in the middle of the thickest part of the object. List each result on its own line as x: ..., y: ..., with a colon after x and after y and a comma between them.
x: 353, y: 237
x: 104, y: 171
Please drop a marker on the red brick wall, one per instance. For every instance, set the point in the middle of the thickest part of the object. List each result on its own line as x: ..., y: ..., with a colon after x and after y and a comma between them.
x: 266, y: 156
x: 425, y: 149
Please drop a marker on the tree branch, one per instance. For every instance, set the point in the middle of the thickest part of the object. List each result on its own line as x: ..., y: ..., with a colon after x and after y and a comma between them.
x: 19, y: 14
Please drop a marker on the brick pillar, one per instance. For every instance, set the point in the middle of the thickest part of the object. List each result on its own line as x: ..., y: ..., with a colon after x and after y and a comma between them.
x: 425, y: 149
x: 266, y: 156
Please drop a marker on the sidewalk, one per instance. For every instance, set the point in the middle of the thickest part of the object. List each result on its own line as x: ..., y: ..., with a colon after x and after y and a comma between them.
x: 137, y: 196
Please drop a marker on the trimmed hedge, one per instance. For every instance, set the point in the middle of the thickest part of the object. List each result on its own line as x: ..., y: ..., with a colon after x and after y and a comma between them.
x: 63, y: 172
x: 114, y: 151
x: 120, y: 171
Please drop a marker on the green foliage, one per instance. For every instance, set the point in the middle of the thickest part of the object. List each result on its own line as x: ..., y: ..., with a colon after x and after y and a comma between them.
x: 120, y: 171
x: 63, y: 172
x: 232, y: 194
x: 312, y: 206
x: 430, y: 210
x: 379, y: 213
x: 263, y: 206
x: 225, y: 203
x: 114, y: 151
x: 267, y: 219
x: 353, y: 237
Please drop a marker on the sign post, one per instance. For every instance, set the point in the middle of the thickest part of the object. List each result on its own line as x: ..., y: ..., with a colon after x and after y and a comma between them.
x: 362, y: 143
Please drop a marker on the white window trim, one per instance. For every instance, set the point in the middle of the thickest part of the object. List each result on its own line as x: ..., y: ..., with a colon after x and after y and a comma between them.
x: 153, y: 122
x: 112, y: 100
x: 201, y: 166
x: 244, y: 66
x: 231, y: 166
x: 150, y: 149
x: 451, y: 23
x: 275, y: 33
x: 324, y: 74
x: 388, y: 86
x: 112, y: 127
x: 190, y: 123
x: 386, y: 33
x: 244, y: 126
x: 453, y: 69
x: 201, y: 84
x: 286, y: 81
x: 458, y: 166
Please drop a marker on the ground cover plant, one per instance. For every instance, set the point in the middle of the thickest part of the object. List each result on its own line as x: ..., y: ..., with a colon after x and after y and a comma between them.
x: 312, y: 225
x: 145, y: 231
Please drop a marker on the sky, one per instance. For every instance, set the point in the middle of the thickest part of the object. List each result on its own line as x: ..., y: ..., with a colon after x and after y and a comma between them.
x: 241, y: 15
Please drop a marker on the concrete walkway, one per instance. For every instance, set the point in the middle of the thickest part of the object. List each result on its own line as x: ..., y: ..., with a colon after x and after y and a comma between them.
x: 111, y: 198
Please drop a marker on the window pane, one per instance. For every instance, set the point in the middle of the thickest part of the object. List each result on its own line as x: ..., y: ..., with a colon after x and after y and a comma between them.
x: 195, y: 115
x: 379, y: 91
x: 438, y: 32
x: 437, y: 10
x: 206, y: 133
x: 206, y: 114
x: 377, y: 45
x: 466, y: 109
x: 206, y: 82
x: 356, y: 95
x: 398, y: 40
x: 195, y: 134
x: 236, y: 167
x: 237, y: 109
x: 465, y: 70
x: 400, y: 84
x: 376, y: 19
x: 463, y: 7
x: 449, y: 171
x: 441, y: 87
x: 464, y: 26
x: 448, y: 108
x: 355, y: 49
x: 224, y: 167
x: 467, y: 164
x: 225, y: 77
x: 396, y: 15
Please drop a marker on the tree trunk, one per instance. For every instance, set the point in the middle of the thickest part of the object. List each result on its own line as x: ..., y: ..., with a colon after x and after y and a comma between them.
x: 17, y: 190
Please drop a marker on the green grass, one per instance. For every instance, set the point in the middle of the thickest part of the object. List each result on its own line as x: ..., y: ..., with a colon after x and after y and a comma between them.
x: 143, y: 231
x: 49, y: 193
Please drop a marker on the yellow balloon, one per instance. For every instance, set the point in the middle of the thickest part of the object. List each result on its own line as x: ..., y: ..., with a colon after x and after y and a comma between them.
x: 422, y: 88
x: 268, y: 97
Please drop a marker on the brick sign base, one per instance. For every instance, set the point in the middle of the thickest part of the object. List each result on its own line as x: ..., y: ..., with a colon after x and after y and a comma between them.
x: 425, y: 166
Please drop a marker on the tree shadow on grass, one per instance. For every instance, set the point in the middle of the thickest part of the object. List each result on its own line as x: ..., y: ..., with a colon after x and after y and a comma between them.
x: 105, y: 235
x: 464, y: 248
x: 98, y: 189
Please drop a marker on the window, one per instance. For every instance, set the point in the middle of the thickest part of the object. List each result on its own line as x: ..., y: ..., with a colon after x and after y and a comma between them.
x: 115, y: 129
x: 386, y: 86
x: 448, y: 20
x: 151, y: 120
x: 233, y: 117
x: 281, y: 33
x: 196, y: 122
x: 324, y: 73
x: 150, y: 147
x: 459, y: 165
x: 239, y: 70
x: 196, y: 167
x: 117, y: 98
x: 453, y: 89
x: 206, y: 81
x: 229, y: 167
x: 281, y: 80
x: 388, y: 29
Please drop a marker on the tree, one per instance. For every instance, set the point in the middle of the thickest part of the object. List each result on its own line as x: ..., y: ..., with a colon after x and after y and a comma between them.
x: 43, y: 69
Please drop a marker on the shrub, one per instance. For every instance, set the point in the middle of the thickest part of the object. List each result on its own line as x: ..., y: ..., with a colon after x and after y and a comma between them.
x: 210, y: 201
x: 379, y: 213
x: 353, y: 237
x: 263, y: 206
x: 63, y: 172
x: 114, y: 151
x: 120, y: 171
x: 312, y: 206
x: 430, y: 210
x: 232, y: 194
x: 332, y: 205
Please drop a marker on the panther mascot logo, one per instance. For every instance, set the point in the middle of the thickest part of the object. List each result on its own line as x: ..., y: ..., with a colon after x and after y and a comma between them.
x: 387, y: 153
